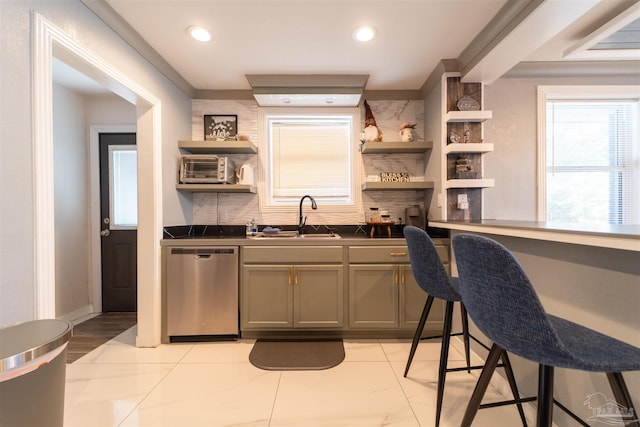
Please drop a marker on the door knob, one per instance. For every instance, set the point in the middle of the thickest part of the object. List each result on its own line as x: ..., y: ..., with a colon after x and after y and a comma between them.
x: 105, y: 232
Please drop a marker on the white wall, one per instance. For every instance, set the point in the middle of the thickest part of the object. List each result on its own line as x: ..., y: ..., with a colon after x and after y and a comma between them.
x: 71, y: 201
x: 434, y: 132
x: 513, y: 130
x: 109, y: 110
x: 17, y: 283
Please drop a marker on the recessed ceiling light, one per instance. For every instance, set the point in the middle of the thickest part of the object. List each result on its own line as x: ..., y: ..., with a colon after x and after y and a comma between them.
x: 199, y: 33
x: 365, y: 34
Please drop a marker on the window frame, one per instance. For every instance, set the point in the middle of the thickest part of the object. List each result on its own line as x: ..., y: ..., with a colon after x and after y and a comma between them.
x: 575, y: 93
x: 265, y: 115
x: 114, y: 202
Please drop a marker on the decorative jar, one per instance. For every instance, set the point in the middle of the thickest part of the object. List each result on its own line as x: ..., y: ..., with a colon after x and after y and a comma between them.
x: 406, y: 135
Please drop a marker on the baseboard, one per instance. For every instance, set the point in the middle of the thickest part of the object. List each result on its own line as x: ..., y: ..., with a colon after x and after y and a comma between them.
x: 79, y: 315
x: 499, y: 382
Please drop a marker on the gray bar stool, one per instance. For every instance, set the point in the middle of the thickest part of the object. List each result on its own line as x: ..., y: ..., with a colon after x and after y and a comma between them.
x: 434, y: 280
x: 504, y: 306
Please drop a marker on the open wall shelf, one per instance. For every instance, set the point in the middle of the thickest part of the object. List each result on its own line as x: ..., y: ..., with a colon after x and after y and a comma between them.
x: 468, y: 148
x: 476, y: 116
x: 396, y: 147
x: 218, y: 147
x: 216, y: 188
x: 397, y: 186
x: 469, y: 183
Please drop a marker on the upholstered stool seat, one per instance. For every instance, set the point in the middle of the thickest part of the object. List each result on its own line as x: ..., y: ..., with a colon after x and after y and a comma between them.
x: 432, y: 277
x: 503, y: 304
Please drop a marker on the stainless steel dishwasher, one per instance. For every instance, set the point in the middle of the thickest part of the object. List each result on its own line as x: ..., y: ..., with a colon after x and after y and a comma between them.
x: 202, y: 291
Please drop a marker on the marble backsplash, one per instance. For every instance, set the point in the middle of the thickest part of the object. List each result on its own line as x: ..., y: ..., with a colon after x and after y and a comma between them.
x: 231, y: 208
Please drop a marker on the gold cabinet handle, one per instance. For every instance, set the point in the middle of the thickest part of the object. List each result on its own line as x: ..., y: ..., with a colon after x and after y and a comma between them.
x: 395, y: 275
x: 402, y: 275
x: 289, y: 276
x: 295, y: 276
x: 398, y: 254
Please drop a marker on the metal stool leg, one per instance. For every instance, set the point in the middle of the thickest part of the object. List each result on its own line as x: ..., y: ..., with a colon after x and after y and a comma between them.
x: 481, y: 386
x: 621, y: 393
x: 545, y: 396
x: 419, y: 330
x: 465, y: 335
x: 444, y: 356
x: 514, y: 387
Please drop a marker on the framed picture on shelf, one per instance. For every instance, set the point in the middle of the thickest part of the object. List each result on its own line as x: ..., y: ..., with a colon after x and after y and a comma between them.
x: 220, y: 127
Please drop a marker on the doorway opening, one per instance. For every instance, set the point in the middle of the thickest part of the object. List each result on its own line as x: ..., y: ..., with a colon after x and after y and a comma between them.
x: 50, y: 41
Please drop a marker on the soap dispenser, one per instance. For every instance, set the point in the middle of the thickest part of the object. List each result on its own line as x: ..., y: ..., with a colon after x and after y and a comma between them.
x: 254, y: 227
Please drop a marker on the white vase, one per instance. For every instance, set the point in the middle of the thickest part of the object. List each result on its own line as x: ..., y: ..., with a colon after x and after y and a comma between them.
x: 406, y: 135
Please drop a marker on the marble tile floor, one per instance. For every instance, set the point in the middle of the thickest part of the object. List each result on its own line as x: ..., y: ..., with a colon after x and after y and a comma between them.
x: 214, y: 384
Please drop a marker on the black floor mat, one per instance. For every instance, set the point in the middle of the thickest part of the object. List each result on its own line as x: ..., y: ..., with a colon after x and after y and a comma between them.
x: 296, y: 355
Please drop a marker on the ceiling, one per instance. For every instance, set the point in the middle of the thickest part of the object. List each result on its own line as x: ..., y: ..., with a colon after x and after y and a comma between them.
x: 486, y: 38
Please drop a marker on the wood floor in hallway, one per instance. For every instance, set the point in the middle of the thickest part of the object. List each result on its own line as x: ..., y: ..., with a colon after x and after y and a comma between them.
x: 96, y: 331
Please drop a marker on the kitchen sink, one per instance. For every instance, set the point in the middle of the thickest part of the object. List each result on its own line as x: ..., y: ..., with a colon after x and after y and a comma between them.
x: 319, y: 236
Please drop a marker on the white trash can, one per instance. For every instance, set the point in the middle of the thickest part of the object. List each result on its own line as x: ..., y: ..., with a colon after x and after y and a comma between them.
x: 33, y: 362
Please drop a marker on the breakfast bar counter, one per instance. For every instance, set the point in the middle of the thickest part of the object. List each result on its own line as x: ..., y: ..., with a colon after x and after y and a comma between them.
x: 625, y: 237
x: 587, y: 274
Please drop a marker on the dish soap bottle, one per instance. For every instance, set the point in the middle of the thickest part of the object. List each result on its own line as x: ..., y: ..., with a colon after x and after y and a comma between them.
x: 254, y: 227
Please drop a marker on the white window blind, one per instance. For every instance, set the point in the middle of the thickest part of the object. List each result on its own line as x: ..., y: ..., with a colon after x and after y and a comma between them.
x: 311, y: 155
x: 591, y: 161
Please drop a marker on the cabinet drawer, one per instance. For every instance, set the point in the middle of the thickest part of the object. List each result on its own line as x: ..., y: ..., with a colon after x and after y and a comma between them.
x: 292, y: 254
x: 389, y: 254
x: 381, y: 254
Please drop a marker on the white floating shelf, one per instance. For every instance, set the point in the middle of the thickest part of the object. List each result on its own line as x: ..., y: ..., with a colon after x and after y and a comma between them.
x: 469, y: 148
x: 397, y: 186
x: 469, y: 183
x: 221, y: 147
x: 468, y: 116
x: 216, y: 188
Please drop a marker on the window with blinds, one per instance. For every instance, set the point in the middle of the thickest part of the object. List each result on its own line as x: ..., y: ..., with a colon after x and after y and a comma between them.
x: 591, y: 160
x: 310, y: 154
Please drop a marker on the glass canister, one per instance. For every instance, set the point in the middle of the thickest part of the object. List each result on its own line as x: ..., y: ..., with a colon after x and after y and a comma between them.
x: 374, y: 215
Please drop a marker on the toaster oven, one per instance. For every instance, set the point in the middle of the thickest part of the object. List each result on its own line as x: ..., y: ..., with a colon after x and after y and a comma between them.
x: 206, y: 169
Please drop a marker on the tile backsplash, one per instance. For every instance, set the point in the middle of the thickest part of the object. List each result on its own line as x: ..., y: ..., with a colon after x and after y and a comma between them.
x: 232, y: 208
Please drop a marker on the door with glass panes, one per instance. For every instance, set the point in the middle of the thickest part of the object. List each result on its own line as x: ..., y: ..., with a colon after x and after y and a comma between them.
x: 119, y: 221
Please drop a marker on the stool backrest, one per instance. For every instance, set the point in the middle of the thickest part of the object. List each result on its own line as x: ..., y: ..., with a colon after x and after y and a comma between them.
x: 427, y: 266
x: 501, y: 300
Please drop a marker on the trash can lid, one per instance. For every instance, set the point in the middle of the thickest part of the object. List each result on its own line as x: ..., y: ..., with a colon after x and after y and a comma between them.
x: 22, y: 343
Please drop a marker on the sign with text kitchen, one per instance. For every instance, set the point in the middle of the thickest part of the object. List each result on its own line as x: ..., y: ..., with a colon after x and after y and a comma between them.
x: 394, y: 176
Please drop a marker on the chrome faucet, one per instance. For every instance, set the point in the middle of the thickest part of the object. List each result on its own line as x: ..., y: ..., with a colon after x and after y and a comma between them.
x: 303, y: 220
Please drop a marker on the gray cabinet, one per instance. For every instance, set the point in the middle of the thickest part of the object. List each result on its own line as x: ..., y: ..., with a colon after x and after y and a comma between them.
x: 292, y: 287
x: 383, y: 293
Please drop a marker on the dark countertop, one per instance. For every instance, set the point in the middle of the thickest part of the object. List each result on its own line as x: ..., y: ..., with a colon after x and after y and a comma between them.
x: 626, y: 237
x: 236, y: 235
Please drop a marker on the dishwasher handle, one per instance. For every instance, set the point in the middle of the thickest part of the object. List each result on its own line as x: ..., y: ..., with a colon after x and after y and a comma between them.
x: 203, y: 252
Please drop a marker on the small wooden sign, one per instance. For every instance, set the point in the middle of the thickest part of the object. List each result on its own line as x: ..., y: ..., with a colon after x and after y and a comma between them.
x: 394, y: 176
